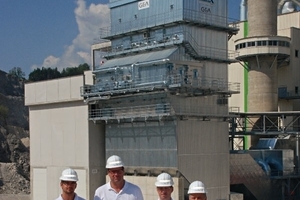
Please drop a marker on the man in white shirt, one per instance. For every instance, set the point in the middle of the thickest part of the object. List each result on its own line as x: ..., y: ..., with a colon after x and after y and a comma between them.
x: 118, y: 187
x: 68, y: 184
x: 164, y: 186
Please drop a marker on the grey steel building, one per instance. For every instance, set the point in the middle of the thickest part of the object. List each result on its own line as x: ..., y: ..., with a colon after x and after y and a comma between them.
x: 162, y: 89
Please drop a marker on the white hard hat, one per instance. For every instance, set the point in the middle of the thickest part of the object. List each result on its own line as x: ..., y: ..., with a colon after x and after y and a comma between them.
x: 197, y: 187
x: 164, y: 180
x: 114, y: 162
x: 69, y: 175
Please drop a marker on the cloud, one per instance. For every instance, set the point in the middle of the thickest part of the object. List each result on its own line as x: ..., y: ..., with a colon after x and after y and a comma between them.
x: 89, y: 20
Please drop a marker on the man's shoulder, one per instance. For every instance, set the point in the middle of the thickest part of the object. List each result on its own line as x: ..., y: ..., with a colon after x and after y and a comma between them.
x: 79, y: 198
x: 132, y: 185
x: 102, y: 187
x: 59, y: 198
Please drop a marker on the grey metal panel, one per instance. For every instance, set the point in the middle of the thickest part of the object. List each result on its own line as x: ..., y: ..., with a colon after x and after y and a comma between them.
x: 150, y: 144
x: 203, y: 155
x: 129, y: 17
x: 207, y: 42
x: 145, y: 57
x: 198, y: 106
x: 212, y: 12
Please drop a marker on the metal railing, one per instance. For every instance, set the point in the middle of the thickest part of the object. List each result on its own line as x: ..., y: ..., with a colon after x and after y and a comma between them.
x: 186, y: 15
x: 171, y: 82
x: 133, y: 112
x: 209, y: 52
x: 175, y: 38
x: 183, y: 37
x: 146, y: 44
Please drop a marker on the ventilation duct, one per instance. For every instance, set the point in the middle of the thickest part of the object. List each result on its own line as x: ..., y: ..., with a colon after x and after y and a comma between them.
x: 288, y: 7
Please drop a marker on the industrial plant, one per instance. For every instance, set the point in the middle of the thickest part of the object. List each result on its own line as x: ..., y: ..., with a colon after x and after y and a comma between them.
x: 177, y: 87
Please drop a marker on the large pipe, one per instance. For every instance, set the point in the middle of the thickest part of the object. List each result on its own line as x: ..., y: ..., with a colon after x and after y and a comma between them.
x: 288, y: 7
x: 291, y: 4
x: 243, y: 10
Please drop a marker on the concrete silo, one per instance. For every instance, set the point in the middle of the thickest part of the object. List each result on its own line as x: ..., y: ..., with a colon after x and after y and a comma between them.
x: 261, y: 51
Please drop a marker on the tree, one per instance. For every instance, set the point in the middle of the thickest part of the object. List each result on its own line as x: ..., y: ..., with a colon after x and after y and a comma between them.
x: 17, y: 71
x: 73, y: 71
x: 52, y: 73
x: 44, y: 74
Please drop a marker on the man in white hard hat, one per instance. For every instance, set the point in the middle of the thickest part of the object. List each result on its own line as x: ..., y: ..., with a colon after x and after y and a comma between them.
x: 68, y: 184
x: 197, y: 191
x: 118, y: 187
x: 164, y: 186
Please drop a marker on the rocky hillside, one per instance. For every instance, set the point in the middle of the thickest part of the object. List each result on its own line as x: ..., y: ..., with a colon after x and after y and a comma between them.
x: 14, y: 137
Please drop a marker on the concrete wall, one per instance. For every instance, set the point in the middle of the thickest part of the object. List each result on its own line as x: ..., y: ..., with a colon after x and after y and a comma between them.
x: 61, y: 136
x: 236, y: 74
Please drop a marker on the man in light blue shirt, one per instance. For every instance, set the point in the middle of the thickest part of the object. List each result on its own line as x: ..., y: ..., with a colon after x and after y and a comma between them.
x: 68, y: 184
x: 164, y: 186
x: 117, y: 188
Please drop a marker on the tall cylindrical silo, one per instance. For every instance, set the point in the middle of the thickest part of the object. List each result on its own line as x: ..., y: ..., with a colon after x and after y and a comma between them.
x: 260, y: 50
x: 262, y: 17
x: 263, y: 94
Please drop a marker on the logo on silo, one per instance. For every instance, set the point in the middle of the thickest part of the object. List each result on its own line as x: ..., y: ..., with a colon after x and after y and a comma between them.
x: 143, y: 4
x: 206, y: 6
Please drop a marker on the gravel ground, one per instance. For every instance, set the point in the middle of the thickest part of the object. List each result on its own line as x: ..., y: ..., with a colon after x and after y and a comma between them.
x: 14, y: 197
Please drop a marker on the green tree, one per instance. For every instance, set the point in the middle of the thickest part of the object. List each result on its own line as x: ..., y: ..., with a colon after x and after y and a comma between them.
x: 17, y: 71
x: 73, y: 71
x: 52, y: 73
x: 44, y: 74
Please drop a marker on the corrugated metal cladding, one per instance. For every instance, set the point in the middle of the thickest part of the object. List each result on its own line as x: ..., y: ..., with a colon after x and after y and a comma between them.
x: 198, y: 106
x: 202, y: 154
x: 137, y: 143
x: 129, y: 60
x: 207, y: 38
x: 131, y: 17
x: 208, y: 7
x: 215, y: 70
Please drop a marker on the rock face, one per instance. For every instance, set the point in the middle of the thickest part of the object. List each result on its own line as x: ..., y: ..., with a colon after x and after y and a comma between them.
x: 14, y: 137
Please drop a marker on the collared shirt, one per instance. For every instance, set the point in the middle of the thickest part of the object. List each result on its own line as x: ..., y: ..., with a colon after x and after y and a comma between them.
x: 170, y: 199
x: 75, y: 198
x: 128, y: 192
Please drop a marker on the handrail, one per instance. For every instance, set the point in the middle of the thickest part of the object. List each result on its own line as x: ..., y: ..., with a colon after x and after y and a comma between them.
x: 130, y: 112
x: 171, y: 82
x: 208, y: 51
x: 175, y: 38
x: 165, y: 18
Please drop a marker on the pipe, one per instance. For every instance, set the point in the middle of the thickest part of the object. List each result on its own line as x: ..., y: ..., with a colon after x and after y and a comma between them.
x: 162, y: 61
x: 109, y: 69
x: 297, y: 153
x: 264, y: 166
x: 276, y: 166
x: 288, y: 7
x: 243, y: 10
